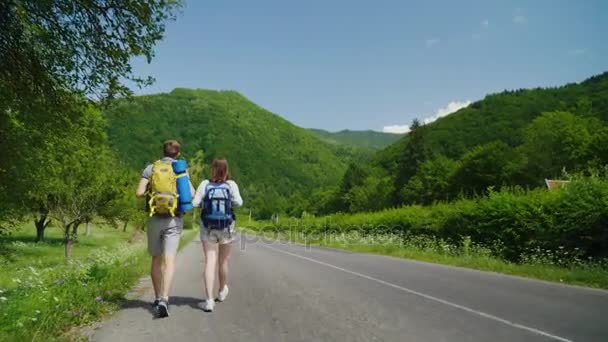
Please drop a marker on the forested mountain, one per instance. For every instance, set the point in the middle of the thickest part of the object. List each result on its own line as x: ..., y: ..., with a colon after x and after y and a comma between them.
x: 511, y: 138
x: 271, y: 158
x: 370, y: 140
x: 503, y: 117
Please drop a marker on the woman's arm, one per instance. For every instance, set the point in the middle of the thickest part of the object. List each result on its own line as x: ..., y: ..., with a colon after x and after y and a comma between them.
x: 237, y: 201
x: 199, y: 194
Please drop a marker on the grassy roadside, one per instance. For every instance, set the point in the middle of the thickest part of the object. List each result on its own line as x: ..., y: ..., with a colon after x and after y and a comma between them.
x: 42, y: 296
x: 473, y: 257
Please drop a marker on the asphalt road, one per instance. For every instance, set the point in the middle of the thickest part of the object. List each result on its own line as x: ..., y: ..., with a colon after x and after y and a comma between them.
x: 286, y: 292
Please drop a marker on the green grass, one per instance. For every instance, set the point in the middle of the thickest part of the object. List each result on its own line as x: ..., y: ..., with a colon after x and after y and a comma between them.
x: 473, y: 257
x: 43, y: 296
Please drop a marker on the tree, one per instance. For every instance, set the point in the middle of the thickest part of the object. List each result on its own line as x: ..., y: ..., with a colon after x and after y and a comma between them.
x: 86, y: 187
x: 432, y: 181
x: 84, y: 47
x: 355, y: 175
x: 556, y: 141
x: 597, y: 154
x: 53, y: 56
x: 485, y: 166
x: 80, y: 179
x: 373, y: 194
x: 416, y: 151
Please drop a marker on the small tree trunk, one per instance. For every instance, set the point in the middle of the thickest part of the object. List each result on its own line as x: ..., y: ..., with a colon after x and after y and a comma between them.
x: 68, y: 248
x: 70, y: 234
x: 87, y: 230
x: 39, y: 234
x: 124, y: 227
x: 41, y: 223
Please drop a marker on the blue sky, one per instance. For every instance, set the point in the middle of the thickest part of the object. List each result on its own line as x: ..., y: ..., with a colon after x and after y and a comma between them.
x: 338, y: 64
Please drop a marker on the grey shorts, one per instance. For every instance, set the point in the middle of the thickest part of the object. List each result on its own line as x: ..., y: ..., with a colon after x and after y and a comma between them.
x: 164, y: 233
x: 221, y: 236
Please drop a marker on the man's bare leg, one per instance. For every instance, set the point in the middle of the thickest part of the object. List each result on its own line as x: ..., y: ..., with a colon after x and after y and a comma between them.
x: 156, y: 275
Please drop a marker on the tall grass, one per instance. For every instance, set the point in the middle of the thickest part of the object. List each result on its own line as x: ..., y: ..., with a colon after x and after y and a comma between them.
x: 42, y: 295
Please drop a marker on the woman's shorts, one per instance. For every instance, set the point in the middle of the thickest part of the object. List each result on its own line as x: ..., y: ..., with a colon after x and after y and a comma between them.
x: 221, y: 236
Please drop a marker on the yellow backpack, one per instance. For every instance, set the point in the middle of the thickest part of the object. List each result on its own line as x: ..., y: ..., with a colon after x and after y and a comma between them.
x: 163, y: 189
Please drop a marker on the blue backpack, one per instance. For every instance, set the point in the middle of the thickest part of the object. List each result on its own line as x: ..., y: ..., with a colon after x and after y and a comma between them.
x: 217, y: 206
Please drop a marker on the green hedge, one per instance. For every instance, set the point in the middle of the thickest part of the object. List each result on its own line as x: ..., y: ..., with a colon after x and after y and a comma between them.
x: 511, y: 222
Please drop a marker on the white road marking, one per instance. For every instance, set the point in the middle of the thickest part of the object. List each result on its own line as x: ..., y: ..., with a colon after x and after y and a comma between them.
x: 429, y: 297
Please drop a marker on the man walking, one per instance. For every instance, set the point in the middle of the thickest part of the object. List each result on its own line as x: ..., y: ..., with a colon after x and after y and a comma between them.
x: 165, y: 224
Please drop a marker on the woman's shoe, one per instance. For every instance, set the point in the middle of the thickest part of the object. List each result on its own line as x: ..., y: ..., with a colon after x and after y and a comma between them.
x: 223, y: 294
x: 207, y: 305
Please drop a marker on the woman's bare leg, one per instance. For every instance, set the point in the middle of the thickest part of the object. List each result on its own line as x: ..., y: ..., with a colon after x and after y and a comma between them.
x: 211, y: 252
x: 224, y: 257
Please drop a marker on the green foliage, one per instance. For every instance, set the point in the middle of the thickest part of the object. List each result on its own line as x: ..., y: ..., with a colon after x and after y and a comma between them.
x: 490, y: 165
x: 431, y: 182
x: 513, y: 138
x: 46, y: 296
x: 80, y: 178
x: 54, y: 56
x: 83, y: 47
x: 510, y: 223
x: 557, y: 141
x: 270, y: 158
x: 417, y: 150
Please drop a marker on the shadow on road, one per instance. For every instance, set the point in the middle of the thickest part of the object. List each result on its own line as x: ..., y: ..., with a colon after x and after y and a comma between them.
x: 173, y: 301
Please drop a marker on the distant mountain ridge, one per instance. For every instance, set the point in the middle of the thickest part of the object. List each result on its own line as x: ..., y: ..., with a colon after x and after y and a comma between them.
x: 367, y: 139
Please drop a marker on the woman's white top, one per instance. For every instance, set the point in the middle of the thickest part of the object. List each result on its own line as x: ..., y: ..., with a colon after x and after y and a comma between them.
x: 235, y: 195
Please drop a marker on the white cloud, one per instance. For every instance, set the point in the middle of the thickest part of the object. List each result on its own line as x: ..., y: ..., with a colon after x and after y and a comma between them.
x: 431, y: 42
x: 485, y: 23
x: 519, y: 19
x: 452, y: 107
x: 396, y: 129
x: 447, y: 110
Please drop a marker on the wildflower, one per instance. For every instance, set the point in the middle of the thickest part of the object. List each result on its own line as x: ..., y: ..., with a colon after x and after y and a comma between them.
x: 34, y: 319
x: 56, y: 299
x: 99, y: 298
x: 38, y: 311
x: 3, y: 299
x: 17, y: 280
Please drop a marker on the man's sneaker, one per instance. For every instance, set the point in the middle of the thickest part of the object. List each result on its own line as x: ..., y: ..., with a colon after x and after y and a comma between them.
x: 223, y: 294
x: 155, y: 303
x: 207, y: 305
x: 163, y: 308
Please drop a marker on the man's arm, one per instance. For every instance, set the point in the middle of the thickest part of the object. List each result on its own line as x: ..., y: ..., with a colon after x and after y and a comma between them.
x: 143, y: 183
x: 141, y: 188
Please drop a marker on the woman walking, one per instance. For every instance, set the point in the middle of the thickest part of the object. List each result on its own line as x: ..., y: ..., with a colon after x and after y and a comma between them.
x: 217, y: 195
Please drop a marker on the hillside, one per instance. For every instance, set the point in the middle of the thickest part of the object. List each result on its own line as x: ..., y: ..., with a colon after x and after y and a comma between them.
x: 503, y: 117
x: 271, y: 158
x: 513, y: 138
x: 370, y: 140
